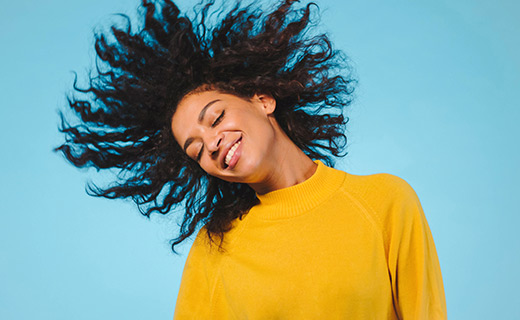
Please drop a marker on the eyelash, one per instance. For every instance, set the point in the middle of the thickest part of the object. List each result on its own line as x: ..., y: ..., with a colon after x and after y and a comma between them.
x: 200, y: 154
x: 219, y: 119
x: 214, y: 124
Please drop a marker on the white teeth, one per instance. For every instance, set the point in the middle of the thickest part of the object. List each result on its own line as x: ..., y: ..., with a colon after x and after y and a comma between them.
x: 231, y: 152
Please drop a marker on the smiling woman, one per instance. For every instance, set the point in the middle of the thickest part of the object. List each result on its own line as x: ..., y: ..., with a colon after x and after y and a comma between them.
x: 216, y: 127
x: 143, y: 77
x: 239, y: 140
x: 240, y: 123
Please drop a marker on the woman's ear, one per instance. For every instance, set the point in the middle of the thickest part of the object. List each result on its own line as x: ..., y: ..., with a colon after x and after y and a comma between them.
x: 267, y: 101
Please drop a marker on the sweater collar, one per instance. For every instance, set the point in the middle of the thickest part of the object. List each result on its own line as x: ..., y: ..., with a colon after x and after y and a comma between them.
x: 295, y: 200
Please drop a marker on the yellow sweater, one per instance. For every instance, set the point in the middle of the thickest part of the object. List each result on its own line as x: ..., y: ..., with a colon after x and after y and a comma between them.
x: 337, y: 246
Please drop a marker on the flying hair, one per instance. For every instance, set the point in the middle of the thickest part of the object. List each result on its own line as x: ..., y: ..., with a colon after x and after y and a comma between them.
x: 122, y: 118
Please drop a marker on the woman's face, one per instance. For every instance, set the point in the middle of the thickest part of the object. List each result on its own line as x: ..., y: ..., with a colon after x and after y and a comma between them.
x: 230, y: 137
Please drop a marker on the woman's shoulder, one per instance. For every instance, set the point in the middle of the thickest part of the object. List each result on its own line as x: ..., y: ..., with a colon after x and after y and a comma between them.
x: 378, y: 185
x: 381, y: 194
x: 203, y: 251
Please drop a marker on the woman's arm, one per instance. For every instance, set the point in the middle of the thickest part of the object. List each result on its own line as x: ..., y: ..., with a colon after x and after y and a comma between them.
x: 412, y: 258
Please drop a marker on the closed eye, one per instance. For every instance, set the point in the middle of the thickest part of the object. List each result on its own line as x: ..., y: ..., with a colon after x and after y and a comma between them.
x: 214, y: 124
x: 219, y: 119
x: 199, y: 155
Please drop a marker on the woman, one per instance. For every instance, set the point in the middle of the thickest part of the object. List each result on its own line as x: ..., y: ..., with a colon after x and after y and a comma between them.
x: 238, y: 125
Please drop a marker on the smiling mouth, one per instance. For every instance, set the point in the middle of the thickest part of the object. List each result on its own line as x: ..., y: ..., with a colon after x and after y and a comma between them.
x: 231, y: 153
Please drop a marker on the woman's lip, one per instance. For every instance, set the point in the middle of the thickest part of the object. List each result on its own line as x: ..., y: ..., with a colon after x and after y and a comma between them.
x: 236, y: 156
x: 234, y: 159
x: 226, y: 151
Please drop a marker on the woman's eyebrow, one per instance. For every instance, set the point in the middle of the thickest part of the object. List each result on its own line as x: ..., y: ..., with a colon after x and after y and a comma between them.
x: 187, y: 144
x: 203, y: 111
x: 200, y: 119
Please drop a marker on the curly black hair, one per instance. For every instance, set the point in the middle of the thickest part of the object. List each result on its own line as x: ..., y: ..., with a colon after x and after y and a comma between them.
x: 123, y: 117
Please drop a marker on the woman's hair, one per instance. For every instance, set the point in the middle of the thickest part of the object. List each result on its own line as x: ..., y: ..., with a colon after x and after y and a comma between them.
x: 123, y: 117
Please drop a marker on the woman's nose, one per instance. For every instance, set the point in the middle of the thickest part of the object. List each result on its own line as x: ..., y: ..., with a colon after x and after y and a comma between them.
x: 214, y: 143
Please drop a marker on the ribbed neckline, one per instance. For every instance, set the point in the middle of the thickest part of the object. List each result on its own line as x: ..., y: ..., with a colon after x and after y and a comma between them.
x: 296, y: 200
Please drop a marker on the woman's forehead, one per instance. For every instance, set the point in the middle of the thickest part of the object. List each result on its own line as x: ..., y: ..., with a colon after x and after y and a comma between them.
x: 192, y: 109
x: 193, y: 104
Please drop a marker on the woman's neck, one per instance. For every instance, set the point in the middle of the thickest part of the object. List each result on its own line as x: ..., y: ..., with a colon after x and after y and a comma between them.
x: 287, y: 167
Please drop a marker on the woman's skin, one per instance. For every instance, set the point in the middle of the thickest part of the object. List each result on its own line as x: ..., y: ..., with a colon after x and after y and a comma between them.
x: 239, y: 140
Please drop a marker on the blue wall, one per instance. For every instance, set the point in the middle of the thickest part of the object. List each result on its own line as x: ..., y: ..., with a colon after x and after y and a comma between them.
x: 437, y: 104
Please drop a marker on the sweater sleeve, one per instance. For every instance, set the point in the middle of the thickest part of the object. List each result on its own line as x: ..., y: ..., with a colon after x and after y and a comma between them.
x: 412, y: 258
x: 193, y: 300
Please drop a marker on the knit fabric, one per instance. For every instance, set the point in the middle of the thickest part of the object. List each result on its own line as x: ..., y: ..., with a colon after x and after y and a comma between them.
x: 337, y: 246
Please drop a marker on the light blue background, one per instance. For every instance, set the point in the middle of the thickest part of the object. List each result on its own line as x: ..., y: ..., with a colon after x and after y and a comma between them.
x: 437, y: 104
